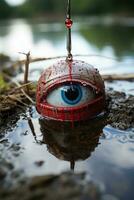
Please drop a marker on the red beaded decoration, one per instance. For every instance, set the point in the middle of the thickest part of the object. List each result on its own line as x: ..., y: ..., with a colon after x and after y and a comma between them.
x: 68, y: 23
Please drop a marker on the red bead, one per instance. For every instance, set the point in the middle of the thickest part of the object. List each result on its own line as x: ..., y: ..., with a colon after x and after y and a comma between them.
x: 68, y: 23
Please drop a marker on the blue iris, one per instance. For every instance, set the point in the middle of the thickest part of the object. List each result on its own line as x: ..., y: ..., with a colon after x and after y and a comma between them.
x: 71, y: 94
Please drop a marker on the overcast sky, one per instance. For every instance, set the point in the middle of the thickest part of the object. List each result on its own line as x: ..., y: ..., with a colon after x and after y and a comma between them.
x: 15, y: 2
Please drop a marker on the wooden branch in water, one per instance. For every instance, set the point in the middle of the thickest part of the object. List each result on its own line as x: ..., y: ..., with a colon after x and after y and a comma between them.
x: 120, y: 77
x: 26, y: 72
x: 128, y: 77
x: 26, y: 67
x: 22, y: 62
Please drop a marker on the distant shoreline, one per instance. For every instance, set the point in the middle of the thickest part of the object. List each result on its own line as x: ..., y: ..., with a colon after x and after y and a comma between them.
x: 90, y: 20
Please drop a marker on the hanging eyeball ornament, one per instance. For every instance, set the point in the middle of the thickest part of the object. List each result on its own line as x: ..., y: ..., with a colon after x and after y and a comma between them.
x: 70, y: 90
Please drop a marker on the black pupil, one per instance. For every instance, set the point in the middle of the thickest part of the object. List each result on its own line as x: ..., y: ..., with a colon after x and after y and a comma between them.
x: 72, y: 93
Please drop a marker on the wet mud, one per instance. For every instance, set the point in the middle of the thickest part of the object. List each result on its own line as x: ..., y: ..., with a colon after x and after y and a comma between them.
x: 120, y: 109
x: 67, y: 186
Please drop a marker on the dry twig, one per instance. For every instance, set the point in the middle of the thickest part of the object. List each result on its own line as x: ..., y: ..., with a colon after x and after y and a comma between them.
x: 19, y: 85
x: 114, y: 77
x: 26, y: 72
x: 22, y: 62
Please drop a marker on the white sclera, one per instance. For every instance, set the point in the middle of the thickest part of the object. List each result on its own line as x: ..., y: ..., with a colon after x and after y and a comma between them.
x: 54, y: 98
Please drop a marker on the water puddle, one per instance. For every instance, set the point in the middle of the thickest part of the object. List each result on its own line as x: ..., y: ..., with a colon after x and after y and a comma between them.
x: 37, y: 146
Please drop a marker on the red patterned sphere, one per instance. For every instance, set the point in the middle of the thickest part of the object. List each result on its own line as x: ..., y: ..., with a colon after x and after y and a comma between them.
x: 70, y: 91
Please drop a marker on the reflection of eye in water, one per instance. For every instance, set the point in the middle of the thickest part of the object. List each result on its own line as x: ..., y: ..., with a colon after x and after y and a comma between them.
x: 72, y: 144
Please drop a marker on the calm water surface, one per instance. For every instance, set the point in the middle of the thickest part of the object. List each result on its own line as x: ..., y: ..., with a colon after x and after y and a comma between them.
x: 107, y: 158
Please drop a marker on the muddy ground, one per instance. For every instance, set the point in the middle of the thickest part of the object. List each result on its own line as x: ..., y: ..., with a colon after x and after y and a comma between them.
x: 120, y: 110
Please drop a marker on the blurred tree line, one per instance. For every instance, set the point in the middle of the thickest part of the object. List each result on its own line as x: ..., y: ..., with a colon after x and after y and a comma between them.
x: 34, y: 8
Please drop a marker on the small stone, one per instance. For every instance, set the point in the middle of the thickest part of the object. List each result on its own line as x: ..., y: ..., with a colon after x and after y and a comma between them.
x: 39, y: 163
